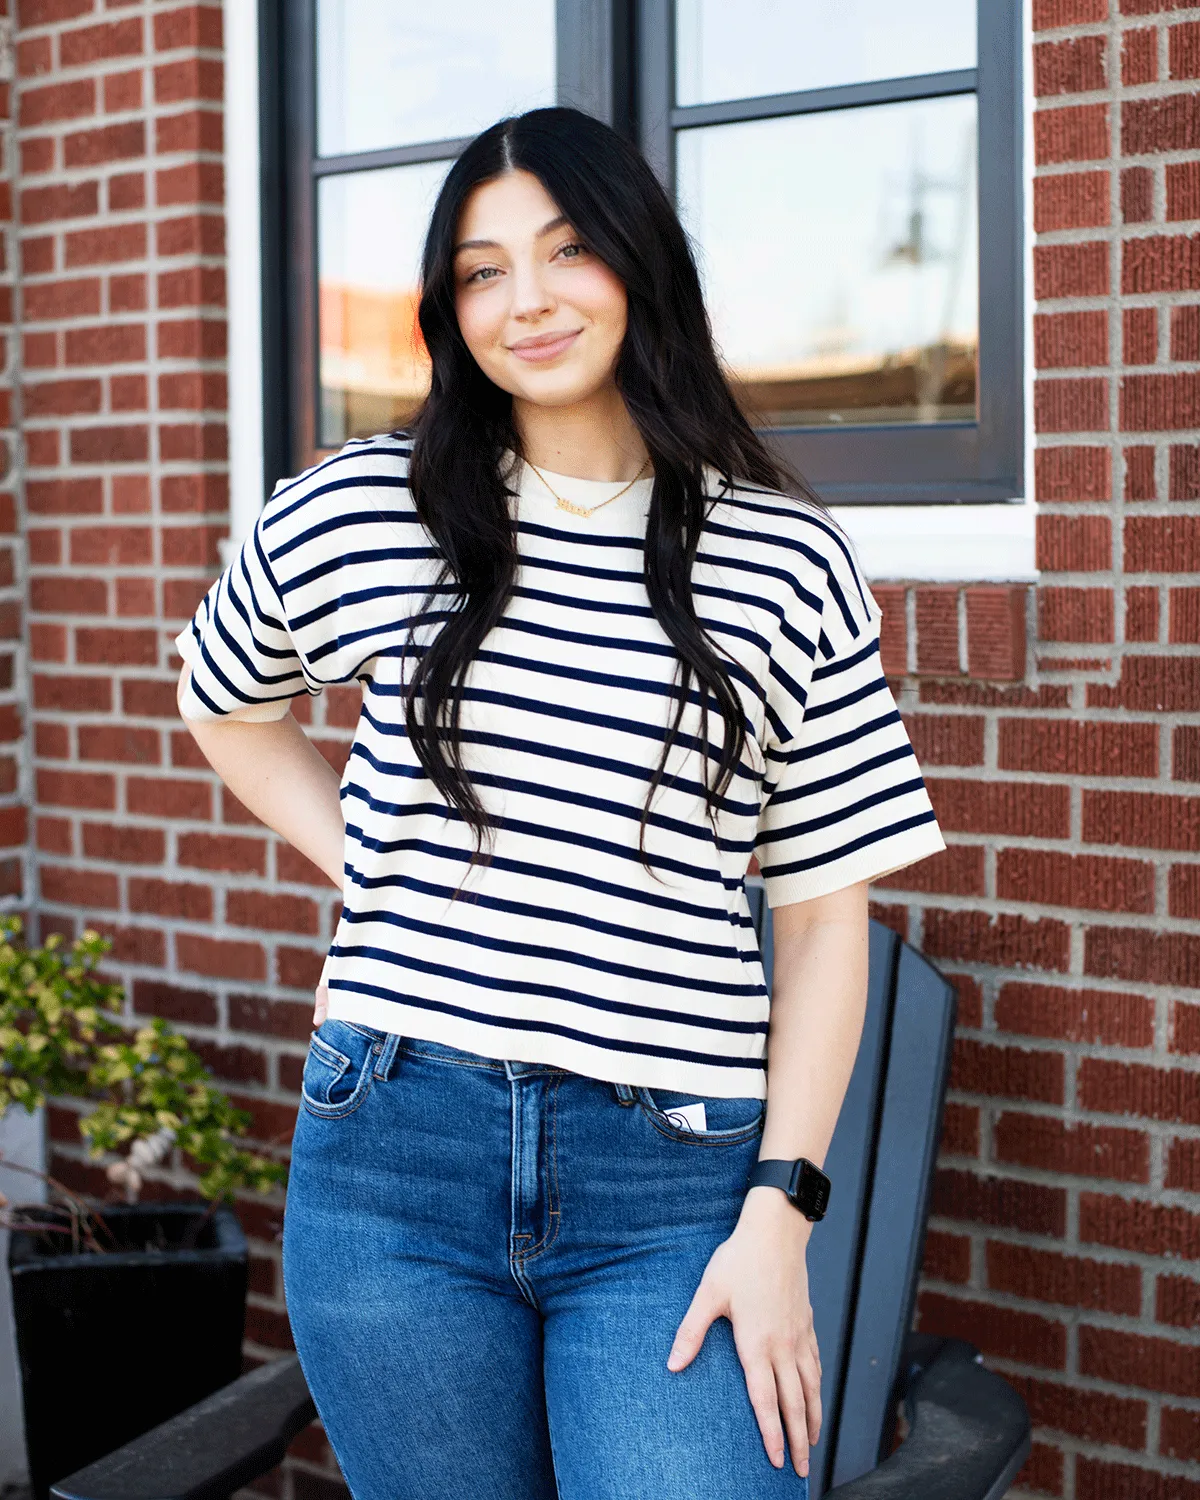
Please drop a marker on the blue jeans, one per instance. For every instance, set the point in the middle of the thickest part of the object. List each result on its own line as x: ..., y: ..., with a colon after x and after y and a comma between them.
x: 485, y: 1265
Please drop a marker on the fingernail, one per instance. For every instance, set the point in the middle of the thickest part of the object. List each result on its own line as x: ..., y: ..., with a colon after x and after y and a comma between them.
x: 673, y: 1360
x: 777, y: 1459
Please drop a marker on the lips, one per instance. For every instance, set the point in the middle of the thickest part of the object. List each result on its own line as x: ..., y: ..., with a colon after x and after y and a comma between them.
x: 544, y: 346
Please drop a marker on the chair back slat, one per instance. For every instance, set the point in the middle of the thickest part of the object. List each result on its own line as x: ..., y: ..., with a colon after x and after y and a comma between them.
x: 918, y: 1060
x: 836, y: 1245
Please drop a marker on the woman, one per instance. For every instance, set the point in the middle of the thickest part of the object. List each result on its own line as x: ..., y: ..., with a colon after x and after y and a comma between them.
x: 604, y: 659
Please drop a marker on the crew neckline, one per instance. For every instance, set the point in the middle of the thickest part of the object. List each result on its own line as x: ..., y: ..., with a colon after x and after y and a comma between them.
x: 536, y: 500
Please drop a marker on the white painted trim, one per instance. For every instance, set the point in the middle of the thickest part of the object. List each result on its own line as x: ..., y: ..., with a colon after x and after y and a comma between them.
x: 243, y: 242
x: 942, y: 543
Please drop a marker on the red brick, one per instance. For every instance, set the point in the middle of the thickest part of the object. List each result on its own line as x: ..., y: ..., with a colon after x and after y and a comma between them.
x: 960, y: 1129
x: 1071, y: 405
x: 1177, y: 1301
x: 1161, y: 684
x: 91, y: 889
x: 106, y: 344
x: 1070, y: 270
x: 224, y: 851
x: 1072, y: 1281
x: 270, y: 1017
x: 1134, y: 954
x: 1141, y: 614
x: 1139, y: 56
x: 193, y: 441
x: 1073, y: 614
x: 1074, y: 544
x: 109, y: 445
x: 171, y: 898
x: 119, y: 742
x: 996, y: 632
x: 1183, y: 1165
x: 1184, y: 625
x: 1148, y: 820
x: 1007, y: 807
x: 152, y: 997
x: 127, y: 293
x: 1168, y: 544
x: 1048, y: 14
x: 1073, y: 66
x: 1154, y: 1364
x: 1146, y: 1228
x: 1185, y: 1019
x: 1049, y: 878
x: 1160, y: 263
x: 1183, y: 50
x: 956, y: 871
x: 193, y: 79
x: 298, y: 968
x: 92, y: 789
x: 1116, y: 1088
x: 1140, y: 482
x: 1071, y: 340
x: 57, y: 101
x: 1043, y: 1470
x: 1157, y: 403
x: 1185, y: 753
x: 192, y: 286
x: 1179, y: 1434
x: 1183, y: 191
x: 193, y: 130
x: 1074, y: 747
x: 46, y: 398
x: 112, y: 546
x: 1108, y: 1017
x: 103, y: 144
x: 113, y: 243
x: 191, y: 234
x: 1139, y: 335
x: 1063, y: 474
x: 79, y: 694
x: 1152, y: 125
x: 37, y: 155
x: 272, y: 912
x: 193, y: 338
x: 1088, y: 1414
x: 62, y: 299
x: 1076, y: 133
x: 220, y: 958
x: 1051, y: 1145
x: 980, y: 1068
x: 91, y: 44
x: 1137, y: 195
x: 126, y: 190
x: 124, y: 845
x: 232, y: 1064
x: 187, y: 26
x: 181, y: 493
x: 116, y: 647
x: 155, y: 700
x: 999, y: 1331
x: 1184, y: 480
x: 947, y: 1257
x: 1006, y: 940
x: 946, y: 739
x: 122, y: 91
x: 1075, y: 200
x: 75, y: 200
x: 65, y: 497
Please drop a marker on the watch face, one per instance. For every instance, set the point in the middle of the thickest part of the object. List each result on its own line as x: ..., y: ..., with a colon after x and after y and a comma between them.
x: 812, y: 1189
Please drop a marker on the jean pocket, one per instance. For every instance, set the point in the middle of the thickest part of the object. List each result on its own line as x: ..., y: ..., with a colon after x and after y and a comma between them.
x: 725, y: 1121
x: 339, y: 1067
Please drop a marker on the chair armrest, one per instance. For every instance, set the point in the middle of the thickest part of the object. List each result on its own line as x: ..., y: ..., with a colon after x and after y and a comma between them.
x: 968, y: 1434
x: 208, y: 1451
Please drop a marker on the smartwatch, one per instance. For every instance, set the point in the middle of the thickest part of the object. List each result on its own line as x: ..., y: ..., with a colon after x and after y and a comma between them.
x: 806, y: 1186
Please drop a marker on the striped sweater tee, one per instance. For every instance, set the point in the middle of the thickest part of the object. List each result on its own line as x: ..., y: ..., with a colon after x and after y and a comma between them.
x: 565, y: 948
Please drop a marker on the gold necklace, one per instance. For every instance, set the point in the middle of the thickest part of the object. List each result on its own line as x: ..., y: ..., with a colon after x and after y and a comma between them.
x: 579, y: 510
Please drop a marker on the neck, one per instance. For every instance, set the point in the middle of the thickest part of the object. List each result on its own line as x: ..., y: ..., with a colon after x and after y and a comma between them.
x: 591, y: 439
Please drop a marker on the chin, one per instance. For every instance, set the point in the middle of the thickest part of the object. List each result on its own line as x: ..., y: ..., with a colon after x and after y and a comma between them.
x: 556, y: 389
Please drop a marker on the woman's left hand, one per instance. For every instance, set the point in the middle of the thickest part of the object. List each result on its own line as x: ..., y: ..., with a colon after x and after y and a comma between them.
x: 758, y: 1279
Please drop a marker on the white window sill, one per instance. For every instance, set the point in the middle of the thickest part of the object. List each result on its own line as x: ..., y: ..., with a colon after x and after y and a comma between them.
x: 942, y: 543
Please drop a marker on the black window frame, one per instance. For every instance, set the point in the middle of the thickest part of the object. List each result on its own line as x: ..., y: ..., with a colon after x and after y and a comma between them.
x: 615, y: 59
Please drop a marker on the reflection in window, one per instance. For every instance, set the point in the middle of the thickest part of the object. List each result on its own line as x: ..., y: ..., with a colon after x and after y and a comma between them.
x: 374, y: 370
x: 840, y: 258
x: 738, y: 49
x: 398, y: 72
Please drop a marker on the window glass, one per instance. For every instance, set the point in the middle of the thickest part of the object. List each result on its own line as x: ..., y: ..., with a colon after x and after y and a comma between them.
x: 399, y: 72
x: 737, y: 49
x: 840, y: 259
x: 374, y: 370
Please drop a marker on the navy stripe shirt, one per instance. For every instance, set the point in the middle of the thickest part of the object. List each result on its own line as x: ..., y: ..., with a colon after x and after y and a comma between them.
x: 565, y: 948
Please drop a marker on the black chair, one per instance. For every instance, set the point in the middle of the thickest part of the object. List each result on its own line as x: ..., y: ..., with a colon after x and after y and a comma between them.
x: 968, y: 1430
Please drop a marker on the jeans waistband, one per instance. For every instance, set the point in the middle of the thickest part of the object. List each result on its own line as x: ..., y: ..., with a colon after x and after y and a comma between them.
x: 511, y: 1068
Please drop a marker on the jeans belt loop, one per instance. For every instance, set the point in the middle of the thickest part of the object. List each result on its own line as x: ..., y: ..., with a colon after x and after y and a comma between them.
x: 387, y: 1055
x: 625, y: 1094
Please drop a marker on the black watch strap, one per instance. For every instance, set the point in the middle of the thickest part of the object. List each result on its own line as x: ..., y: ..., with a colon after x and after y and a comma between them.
x: 802, y: 1180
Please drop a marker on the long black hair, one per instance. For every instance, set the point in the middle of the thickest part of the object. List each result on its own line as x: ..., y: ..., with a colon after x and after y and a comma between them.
x: 671, y: 381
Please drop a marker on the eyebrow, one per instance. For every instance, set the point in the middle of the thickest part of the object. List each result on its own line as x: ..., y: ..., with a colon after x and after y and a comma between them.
x: 495, y: 244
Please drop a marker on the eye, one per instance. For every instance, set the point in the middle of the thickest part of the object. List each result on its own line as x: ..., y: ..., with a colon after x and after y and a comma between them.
x: 481, y: 273
x: 572, y: 250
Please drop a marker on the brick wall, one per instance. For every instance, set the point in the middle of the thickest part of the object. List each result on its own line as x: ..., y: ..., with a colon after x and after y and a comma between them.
x: 1059, y: 726
x: 1066, y: 1230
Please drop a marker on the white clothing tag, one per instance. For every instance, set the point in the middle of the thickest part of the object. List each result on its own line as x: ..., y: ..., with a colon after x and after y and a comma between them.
x: 689, y: 1116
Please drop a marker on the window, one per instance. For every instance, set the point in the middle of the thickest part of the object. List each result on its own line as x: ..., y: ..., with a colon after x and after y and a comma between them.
x: 848, y: 170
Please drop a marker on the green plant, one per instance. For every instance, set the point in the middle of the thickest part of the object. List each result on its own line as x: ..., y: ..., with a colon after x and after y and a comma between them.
x: 61, y: 1035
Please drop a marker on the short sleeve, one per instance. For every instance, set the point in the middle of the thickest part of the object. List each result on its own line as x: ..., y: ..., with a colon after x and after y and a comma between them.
x: 244, y: 663
x: 844, y: 799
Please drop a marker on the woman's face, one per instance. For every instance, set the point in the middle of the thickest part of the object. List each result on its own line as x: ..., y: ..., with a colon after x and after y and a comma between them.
x: 543, y: 316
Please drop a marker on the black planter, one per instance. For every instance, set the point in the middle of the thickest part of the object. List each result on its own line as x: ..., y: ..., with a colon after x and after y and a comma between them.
x: 110, y: 1345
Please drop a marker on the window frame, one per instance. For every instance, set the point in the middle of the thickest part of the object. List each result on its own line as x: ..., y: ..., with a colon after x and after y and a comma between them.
x: 593, y: 58
x: 615, y: 59
x: 901, y: 463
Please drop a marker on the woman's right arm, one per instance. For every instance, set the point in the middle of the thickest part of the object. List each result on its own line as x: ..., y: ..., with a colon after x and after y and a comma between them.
x: 274, y: 769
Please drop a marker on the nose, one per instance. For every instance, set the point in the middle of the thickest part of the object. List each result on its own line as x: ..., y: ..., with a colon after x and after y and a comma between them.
x: 531, y: 299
